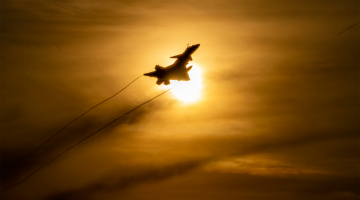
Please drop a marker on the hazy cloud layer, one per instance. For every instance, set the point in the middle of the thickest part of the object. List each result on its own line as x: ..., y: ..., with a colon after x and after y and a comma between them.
x: 278, y: 97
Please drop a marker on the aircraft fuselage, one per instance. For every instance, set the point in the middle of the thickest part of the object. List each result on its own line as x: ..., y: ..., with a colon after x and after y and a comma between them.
x: 175, y: 71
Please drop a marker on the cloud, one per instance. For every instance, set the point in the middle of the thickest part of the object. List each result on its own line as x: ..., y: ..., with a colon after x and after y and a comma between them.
x: 122, y: 181
x: 210, y: 152
x: 206, y: 184
x: 77, y: 132
x: 273, y: 86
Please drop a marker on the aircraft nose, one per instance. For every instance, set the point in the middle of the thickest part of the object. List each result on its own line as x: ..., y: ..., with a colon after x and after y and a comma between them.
x: 195, y: 47
x: 191, y: 49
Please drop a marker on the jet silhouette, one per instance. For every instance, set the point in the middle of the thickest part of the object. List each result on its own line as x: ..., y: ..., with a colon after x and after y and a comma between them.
x: 177, y: 70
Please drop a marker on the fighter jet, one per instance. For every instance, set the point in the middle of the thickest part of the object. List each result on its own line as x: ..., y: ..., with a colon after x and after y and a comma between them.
x: 176, y: 71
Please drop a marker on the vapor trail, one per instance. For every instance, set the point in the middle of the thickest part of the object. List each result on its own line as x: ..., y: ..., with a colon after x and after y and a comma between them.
x: 345, y: 30
x: 69, y: 125
x: 68, y: 149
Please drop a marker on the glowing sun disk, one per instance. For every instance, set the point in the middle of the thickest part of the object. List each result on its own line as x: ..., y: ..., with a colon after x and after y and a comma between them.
x: 188, y: 91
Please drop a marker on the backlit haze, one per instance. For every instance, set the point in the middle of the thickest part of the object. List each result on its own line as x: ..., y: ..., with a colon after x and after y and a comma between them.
x: 271, y: 110
x: 189, y: 91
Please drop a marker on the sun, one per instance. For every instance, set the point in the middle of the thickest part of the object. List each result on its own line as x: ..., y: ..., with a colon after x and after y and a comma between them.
x: 188, y: 91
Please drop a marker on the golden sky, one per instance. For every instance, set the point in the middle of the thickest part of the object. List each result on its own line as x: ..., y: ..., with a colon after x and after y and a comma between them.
x: 276, y: 113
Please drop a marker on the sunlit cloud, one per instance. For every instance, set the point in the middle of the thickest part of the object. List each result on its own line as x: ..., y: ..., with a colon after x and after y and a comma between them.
x: 261, y: 167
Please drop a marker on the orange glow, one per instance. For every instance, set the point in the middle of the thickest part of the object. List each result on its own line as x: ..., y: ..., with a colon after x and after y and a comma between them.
x: 188, y: 91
